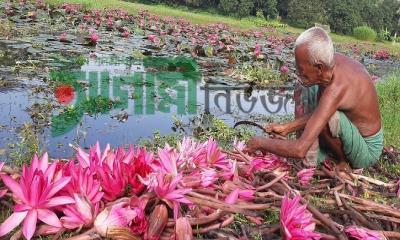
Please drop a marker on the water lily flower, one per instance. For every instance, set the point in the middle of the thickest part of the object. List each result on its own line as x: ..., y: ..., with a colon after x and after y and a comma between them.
x: 284, y: 69
x: 305, y: 176
x: 189, y: 153
x: 37, y: 202
x: 138, y: 167
x: 83, y: 182
x: 296, y: 222
x: 80, y: 214
x: 140, y: 223
x: 214, y: 156
x: 113, y: 180
x: 240, y: 145
x: 363, y: 233
x: 208, y: 176
x: 165, y: 187
x: 125, y: 34
x: 257, y: 50
x: 119, y: 215
x: 267, y: 162
x: 94, y: 38
x: 232, y: 197
x: 63, y: 37
x: 95, y: 157
x: 168, y: 158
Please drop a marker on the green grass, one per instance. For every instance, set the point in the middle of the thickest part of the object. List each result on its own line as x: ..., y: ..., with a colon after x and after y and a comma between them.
x: 202, y: 17
x: 389, y: 100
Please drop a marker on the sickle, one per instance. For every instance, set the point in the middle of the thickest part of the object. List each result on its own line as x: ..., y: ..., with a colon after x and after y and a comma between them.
x: 245, y: 122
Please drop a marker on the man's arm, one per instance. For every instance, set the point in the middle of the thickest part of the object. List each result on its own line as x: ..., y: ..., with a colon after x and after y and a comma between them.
x: 298, y: 148
x: 298, y: 124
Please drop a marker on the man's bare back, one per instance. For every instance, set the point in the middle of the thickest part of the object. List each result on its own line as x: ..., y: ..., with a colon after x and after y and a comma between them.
x: 359, y: 100
x: 347, y: 99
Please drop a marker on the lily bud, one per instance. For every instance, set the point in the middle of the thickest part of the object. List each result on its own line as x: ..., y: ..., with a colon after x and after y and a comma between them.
x: 157, y: 222
x: 183, y: 229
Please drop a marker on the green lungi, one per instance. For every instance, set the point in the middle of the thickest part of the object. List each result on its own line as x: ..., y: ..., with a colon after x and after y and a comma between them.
x: 361, y: 152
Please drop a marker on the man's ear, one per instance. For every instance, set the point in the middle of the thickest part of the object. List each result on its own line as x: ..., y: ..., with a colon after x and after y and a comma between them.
x: 320, y: 68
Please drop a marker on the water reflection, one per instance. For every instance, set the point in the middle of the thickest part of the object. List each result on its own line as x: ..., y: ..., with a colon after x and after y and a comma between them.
x: 121, y: 100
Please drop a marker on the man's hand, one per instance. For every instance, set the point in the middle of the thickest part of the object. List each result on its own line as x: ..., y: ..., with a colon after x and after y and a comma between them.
x: 253, y: 145
x: 277, y: 129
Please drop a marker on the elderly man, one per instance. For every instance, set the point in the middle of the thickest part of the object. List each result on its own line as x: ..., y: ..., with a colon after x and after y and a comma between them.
x: 344, y: 117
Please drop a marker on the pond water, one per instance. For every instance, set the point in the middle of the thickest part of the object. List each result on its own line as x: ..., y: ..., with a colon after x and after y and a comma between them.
x: 122, y: 100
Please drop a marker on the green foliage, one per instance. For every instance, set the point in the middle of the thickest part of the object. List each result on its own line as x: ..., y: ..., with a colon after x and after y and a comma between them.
x: 384, y: 35
x: 267, y: 8
x: 343, y: 15
x: 305, y: 13
x: 27, y: 147
x: 237, y: 8
x: 262, y: 75
x: 389, y: 100
x: 364, y: 33
x: 260, y: 21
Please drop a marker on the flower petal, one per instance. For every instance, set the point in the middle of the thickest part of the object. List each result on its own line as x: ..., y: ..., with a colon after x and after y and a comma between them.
x: 29, y: 226
x: 49, y: 217
x: 61, y: 200
x: 12, y: 222
x: 14, y: 187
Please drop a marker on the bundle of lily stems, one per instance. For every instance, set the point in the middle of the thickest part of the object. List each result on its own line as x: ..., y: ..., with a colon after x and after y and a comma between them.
x: 195, y: 190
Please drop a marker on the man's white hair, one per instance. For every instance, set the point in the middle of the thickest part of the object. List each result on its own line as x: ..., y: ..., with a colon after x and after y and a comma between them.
x: 319, y: 45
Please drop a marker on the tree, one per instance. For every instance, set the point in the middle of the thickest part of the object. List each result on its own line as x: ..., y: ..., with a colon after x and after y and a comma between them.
x: 343, y: 15
x: 282, y: 7
x: 237, y: 8
x: 304, y: 13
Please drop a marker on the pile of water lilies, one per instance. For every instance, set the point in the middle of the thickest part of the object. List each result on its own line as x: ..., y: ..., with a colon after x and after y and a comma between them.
x: 196, y: 189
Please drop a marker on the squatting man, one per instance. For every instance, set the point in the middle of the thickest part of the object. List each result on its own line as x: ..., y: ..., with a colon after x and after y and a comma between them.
x: 343, y: 118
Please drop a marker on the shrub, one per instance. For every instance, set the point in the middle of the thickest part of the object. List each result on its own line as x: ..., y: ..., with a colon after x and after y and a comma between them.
x: 364, y: 33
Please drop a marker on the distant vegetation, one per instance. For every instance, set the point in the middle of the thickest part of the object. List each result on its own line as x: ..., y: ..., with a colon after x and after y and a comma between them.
x: 342, y: 15
x: 364, y: 33
x: 389, y: 100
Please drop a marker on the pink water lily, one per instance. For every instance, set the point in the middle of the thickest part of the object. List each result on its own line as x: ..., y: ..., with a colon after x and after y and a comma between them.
x: 208, y: 176
x: 168, y: 158
x: 166, y: 188
x: 140, y: 222
x: 296, y: 222
x: 83, y: 182
x: 36, y: 197
x: 113, y: 179
x: 214, y: 156
x: 305, y: 176
x: 94, y: 38
x: 361, y: 233
x: 119, y: 215
x: 284, y: 69
x: 239, y: 145
x: 232, y: 197
x: 257, y: 50
x: 63, y: 37
x: 80, y: 214
x: 94, y: 158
